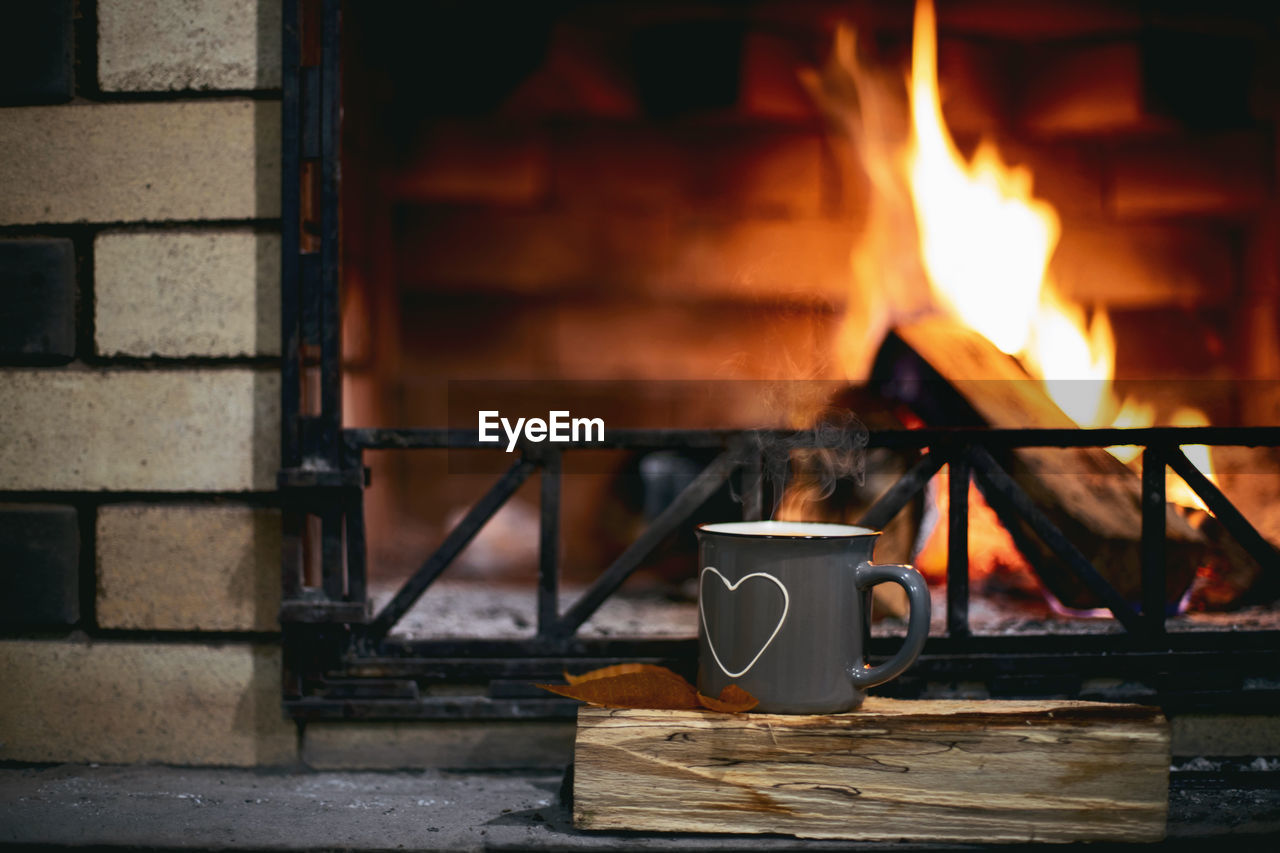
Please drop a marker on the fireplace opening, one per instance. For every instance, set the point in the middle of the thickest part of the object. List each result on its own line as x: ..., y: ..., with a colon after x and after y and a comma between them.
x: 716, y: 221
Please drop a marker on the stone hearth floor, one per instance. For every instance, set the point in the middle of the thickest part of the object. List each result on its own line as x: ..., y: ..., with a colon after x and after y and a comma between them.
x: 471, y: 609
x: 166, y: 808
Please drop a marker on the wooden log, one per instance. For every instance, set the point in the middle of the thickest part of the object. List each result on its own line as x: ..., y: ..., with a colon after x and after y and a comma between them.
x: 1092, y: 497
x: 1250, y: 478
x: 989, y: 771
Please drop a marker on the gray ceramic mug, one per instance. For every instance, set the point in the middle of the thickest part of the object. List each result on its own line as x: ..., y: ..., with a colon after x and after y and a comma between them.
x: 781, y: 613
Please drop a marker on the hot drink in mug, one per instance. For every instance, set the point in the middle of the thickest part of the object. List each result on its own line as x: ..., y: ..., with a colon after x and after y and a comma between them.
x: 781, y: 611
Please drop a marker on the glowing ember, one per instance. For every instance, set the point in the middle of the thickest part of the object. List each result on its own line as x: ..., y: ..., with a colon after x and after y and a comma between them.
x: 1177, y: 489
x: 989, y: 541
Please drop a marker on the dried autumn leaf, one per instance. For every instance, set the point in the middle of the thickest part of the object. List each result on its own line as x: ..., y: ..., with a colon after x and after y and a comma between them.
x: 622, y: 669
x: 632, y: 690
x: 643, y: 685
x: 733, y: 699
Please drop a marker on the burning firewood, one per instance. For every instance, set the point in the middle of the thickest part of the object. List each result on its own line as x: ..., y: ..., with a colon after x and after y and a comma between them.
x: 1234, y: 578
x: 953, y: 376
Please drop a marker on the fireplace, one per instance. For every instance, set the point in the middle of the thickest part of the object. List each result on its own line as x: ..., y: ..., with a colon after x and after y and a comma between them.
x: 648, y: 210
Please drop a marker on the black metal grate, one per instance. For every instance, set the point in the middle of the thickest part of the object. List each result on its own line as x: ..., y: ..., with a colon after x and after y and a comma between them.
x: 342, y: 661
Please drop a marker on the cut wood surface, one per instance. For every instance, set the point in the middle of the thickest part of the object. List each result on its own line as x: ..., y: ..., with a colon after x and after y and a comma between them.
x: 1092, y: 497
x: 915, y: 770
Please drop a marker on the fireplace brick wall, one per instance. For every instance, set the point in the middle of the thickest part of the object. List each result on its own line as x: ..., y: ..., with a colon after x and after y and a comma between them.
x: 179, y: 567
x: 569, y: 200
x: 142, y: 162
x: 568, y: 231
x: 123, y: 701
x: 37, y: 319
x: 187, y: 293
x: 140, y: 571
x: 139, y: 241
x: 139, y: 405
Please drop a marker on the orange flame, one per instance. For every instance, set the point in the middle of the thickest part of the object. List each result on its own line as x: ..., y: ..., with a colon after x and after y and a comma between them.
x: 986, y: 241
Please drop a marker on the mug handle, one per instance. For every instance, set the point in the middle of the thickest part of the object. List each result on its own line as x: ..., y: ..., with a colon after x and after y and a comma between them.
x: 867, y: 576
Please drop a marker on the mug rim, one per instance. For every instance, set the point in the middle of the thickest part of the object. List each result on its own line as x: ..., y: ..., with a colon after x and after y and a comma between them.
x: 807, y: 530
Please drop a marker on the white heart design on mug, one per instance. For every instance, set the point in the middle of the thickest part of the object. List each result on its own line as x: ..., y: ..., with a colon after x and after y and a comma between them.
x: 732, y: 587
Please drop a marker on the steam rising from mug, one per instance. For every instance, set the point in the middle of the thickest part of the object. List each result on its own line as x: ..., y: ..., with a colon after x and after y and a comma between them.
x: 807, y: 464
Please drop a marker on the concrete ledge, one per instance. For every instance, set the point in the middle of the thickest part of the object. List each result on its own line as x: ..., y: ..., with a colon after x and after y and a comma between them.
x: 1224, y: 735
x: 470, y: 745
x: 165, y: 808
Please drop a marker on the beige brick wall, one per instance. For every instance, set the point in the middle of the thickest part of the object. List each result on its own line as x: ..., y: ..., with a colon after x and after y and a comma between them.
x: 104, y: 425
x: 161, y: 45
x: 168, y: 430
x: 189, y: 567
x: 179, y: 703
x: 187, y: 293
x: 213, y: 159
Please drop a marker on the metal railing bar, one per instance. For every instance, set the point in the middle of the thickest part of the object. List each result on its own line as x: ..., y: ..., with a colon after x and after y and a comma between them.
x: 443, y: 656
x: 1225, y: 511
x: 357, y: 558
x: 902, y: 492
x: 444, y: 669
x: 332, y: 566
x: 549, y: 543
x: 1154, y: 531
x: 958, y: 545
x: 330, y: 159
x: 353, y: 508
x: 693, y: 496
x: 371, y: 438
x: 292, y: 531
x: 994, y: 481
x: 312, y: 277
x: 462, y: 533
x: 583, y: 648
x: 1003, y: 437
